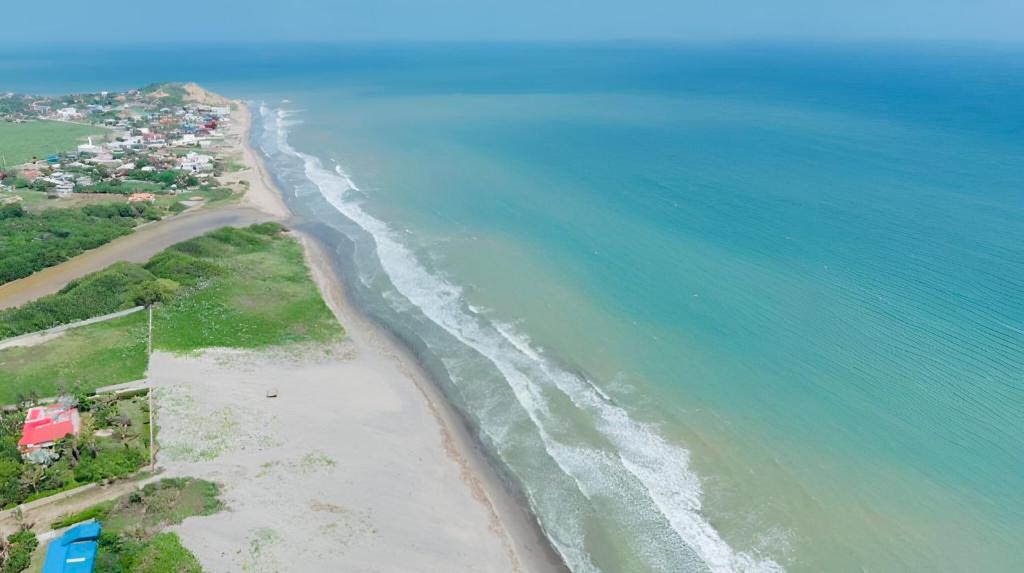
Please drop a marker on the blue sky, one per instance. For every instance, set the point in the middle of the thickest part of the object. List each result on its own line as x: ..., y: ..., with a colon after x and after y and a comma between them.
x: 163, y: 21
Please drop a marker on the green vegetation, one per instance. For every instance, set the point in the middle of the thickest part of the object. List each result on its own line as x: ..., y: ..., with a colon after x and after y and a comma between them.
x: 76, y: 460
x: 239, y: 288
x: 32, y: 199
x: 16, y: 551
x: 211, y: 195
x: 117, y: 287
x: 20, y: 142
x: 97, y: 512
x: 84, y: 359
x: 139, y: 181
x: 169, y: 94
x: 131, y: 539
x: 246, y: 288
x: 126, y: 187
x: 30, y: 242
x: 161, y: 553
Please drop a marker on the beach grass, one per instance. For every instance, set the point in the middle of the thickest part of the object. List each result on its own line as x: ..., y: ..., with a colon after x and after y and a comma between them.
x: 164, y: 553
x: 84, y: 359
x: 20, y: 142
x: 231, y: 288
x: 263, y: 296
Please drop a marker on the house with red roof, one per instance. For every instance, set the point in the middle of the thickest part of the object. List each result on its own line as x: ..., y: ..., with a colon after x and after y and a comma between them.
x: 44, y: 425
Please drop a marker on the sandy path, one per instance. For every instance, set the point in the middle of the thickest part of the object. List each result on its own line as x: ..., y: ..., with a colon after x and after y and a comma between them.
x: 41, y: 517
x: 136, y: 247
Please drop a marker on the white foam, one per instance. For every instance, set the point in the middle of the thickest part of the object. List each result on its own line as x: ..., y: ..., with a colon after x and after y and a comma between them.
x: 641, y: 455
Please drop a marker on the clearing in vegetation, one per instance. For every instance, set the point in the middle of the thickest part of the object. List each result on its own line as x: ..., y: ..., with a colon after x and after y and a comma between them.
x: 20, y: 142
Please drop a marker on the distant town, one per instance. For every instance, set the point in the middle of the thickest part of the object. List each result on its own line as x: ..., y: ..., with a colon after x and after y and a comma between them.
x: 148, y: 142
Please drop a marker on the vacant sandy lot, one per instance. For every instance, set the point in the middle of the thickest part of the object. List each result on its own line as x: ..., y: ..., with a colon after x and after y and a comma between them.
x: 346, y: 470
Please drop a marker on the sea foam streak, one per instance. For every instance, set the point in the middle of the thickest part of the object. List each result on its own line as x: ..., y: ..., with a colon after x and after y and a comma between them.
x: 645, y: 479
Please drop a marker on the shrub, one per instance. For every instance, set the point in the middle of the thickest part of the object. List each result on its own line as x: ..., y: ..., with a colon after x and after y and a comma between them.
x: 97, y: 512
x: 181, y: 268
x: 111, y: 463
x: 269, y: 228
x: 11, y: 211
x: 240, y: 238
x: 102, y: 292
x: 19, y: 552
x: 204, y: 246
x: 33, y: 241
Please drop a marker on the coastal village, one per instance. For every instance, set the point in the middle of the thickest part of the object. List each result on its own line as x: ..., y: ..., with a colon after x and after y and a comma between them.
x: 149, y: 142
x: 156, y: 155
x: 152, y: 306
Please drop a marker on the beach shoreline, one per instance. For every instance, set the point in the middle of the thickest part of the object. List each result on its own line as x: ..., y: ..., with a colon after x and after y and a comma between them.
x: 262, y: 193
x: 509, y: 518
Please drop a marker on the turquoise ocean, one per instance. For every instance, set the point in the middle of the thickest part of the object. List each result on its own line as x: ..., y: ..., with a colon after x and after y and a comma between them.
x: 707, y: 308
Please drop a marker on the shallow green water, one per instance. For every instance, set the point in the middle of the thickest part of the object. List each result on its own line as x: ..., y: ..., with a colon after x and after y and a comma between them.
x: 732, y: 309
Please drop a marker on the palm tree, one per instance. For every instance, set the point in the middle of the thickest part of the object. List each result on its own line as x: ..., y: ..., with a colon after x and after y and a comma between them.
x: 87, y: 434
x: 123, y: 428
x: 32, y: 476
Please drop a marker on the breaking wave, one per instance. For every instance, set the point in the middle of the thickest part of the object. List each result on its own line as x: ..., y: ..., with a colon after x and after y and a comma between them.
x: 643, y: 482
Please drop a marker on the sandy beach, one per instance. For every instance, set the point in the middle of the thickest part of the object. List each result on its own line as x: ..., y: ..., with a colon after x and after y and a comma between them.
x: 358, y: 464
x: 261, y: 193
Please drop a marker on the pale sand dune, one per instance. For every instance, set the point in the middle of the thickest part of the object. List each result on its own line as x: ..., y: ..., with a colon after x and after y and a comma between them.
x: 344, y: 471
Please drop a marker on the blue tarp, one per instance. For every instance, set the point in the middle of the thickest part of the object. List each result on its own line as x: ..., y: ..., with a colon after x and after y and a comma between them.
x: 75, y: 551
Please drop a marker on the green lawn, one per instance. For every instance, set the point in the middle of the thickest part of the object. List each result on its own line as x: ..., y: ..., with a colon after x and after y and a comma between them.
x: 19, y: 142
x: 97, y: 355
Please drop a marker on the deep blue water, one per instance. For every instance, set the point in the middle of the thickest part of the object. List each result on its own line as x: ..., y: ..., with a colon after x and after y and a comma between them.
x: 725, y: 307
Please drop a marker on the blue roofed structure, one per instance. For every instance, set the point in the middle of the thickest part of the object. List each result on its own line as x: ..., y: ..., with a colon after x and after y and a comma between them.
x: 75, y: 551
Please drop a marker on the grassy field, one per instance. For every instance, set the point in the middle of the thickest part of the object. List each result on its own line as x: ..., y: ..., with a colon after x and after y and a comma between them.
x: 19, y: 142
x: 234, y: 288
x: 32, y: 200
x: 97, y: 355
x: 263, y: 296
x: 211, y: 196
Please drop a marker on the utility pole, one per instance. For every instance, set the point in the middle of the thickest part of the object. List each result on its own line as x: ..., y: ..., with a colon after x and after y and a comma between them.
x: 152, y: 442
x: 149, y: 352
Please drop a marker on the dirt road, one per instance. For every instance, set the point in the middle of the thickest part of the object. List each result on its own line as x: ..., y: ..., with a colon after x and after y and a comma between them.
x: 136, y: 247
